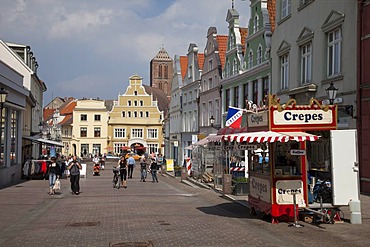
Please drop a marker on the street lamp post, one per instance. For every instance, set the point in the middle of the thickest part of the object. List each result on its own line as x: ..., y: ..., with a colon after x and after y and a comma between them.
x: 212, y: 121
x: 332, y: 93
x: 3, y: 95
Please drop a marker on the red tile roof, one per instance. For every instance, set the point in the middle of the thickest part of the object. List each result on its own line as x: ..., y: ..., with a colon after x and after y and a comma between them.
x: 222, y: 46
x: 243, y: 36
x: 200, y: 60
x: 48, y: 113
x: 68, y: 108
x: 184, y: 65
x: 66, y: 119
x: 271, y: 6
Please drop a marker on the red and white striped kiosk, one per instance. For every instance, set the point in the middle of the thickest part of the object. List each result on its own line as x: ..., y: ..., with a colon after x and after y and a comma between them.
x: 280, y: 135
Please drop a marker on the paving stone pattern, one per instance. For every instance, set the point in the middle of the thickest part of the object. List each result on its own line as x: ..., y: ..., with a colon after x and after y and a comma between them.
x: 168, y: 213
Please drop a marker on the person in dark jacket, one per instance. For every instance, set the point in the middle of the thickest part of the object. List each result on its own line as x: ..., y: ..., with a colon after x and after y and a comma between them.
x: 74, y: 168
x: 54, y: 173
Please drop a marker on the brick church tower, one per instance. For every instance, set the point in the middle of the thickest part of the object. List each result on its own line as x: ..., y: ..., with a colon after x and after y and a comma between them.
x: 161, y: 71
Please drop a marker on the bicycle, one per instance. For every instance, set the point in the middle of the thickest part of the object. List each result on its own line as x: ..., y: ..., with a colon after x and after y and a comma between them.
x: 115, y: 181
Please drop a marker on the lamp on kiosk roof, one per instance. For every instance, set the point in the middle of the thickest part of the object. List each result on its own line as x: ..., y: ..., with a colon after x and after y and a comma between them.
x: 332, y: 93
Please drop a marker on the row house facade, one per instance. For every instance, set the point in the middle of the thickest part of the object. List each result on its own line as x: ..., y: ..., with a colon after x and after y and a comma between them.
x: 363, y: 93
x: 210, y: 88
x: 21, y: 112
x: 173, y: 124
x: 190, y: 98
x: 135, y: 120
x: 89, y: 127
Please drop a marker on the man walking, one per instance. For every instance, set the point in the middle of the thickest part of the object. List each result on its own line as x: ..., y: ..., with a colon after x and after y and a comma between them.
x: 131, y: 164
x: 74, y: 168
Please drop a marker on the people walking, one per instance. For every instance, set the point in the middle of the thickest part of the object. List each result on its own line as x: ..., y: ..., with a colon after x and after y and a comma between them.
x: 54, y: 173
x: 131, y: 165
x: 160, y: 163
x: 143, y: 168
x: 153, y: 170
x: 122, y: 166
x: 74, y: 168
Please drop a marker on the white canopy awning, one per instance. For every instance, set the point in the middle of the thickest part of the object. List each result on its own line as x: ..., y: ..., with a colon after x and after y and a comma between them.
x: 271, y: 136
x: 45, y: 141
x: 209, y: 138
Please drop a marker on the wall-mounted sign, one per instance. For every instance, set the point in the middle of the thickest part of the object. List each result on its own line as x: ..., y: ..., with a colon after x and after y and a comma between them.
x: 286, y: 189
x: 246, y: 147
x: 227, y: 147
x: 175, y: 143
x: 257, y: 119
x: 298, y: 152
x: 260, y: 188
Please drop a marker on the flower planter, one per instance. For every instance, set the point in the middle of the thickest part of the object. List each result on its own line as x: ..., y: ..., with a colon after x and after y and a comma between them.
x: 240, y: 188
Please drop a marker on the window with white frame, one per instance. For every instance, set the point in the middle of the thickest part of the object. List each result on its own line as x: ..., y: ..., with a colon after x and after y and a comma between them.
x: 97, y: 131
x: 284, y: 71
x: 117, y: 147
x: 210, y: 110
x: 217, y: 111
x: 255, y: 23
x: 129, y: 103
x: 259, y: 55
x: 152, y: 148
x: 123, y: 114
x: 250, y: 59
x: 152, y: 133
x: 119, y: 133
x: 204, y: 114
x: 236, y: 96
x: 334, y: 52
x: 306, y: 63
x: 210, y: 83
x: 146, y: 114
x: 228, y: 69
x: 210, y: 65
x: 137, y: 133
x: 128, y: 114
x: 97, y: 117
x: 285, y: 8
x: 235, y: 67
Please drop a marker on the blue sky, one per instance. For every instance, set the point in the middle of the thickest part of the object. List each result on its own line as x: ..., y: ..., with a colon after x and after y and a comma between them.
x: 89, y: 48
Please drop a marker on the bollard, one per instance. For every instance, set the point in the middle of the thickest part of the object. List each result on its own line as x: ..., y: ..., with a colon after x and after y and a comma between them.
x: 184, y: 175
x: 226, y: 183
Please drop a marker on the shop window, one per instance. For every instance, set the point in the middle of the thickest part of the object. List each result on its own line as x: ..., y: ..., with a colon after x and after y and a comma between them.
x: 287, y: 164
x: 258, y: 159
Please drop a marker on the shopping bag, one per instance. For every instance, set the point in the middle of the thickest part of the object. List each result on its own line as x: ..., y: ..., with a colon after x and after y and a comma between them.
x: 57, y: 184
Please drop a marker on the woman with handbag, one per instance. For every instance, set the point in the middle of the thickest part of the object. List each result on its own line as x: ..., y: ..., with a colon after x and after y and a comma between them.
x: 54, y: 173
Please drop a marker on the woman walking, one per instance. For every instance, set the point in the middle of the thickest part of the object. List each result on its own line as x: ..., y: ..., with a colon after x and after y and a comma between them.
x: 54, y: 172
x: 74, y: 168
x: 122, y: 165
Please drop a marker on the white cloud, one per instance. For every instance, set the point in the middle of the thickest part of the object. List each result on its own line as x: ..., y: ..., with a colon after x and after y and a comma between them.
x: 121, y: 36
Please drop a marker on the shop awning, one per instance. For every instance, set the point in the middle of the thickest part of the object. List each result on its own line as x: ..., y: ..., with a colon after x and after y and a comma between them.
x: 44, y: 141
x: 271, y: 136
x: 209, y: 138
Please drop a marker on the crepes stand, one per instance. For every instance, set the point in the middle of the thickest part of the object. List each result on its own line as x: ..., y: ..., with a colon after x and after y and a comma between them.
x: 293, y: 152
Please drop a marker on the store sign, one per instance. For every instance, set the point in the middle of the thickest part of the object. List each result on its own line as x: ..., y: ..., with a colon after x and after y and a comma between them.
x: 303, y: 117
x: 298, y: 152
x: 260, y: 188
x: 257, y: 119
x: 227, y: 147
x: 246, y: 147
x: 286, y: 189
x: 175, y: 143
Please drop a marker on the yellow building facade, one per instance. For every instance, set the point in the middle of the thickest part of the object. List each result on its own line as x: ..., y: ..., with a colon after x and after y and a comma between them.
x: 89, y: 128
x: 135, y: 121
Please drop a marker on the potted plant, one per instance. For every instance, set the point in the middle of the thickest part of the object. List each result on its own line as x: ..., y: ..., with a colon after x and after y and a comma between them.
x: 240, y: 186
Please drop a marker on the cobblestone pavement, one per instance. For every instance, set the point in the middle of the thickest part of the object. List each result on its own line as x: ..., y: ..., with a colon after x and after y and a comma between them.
x: 168, y: 213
